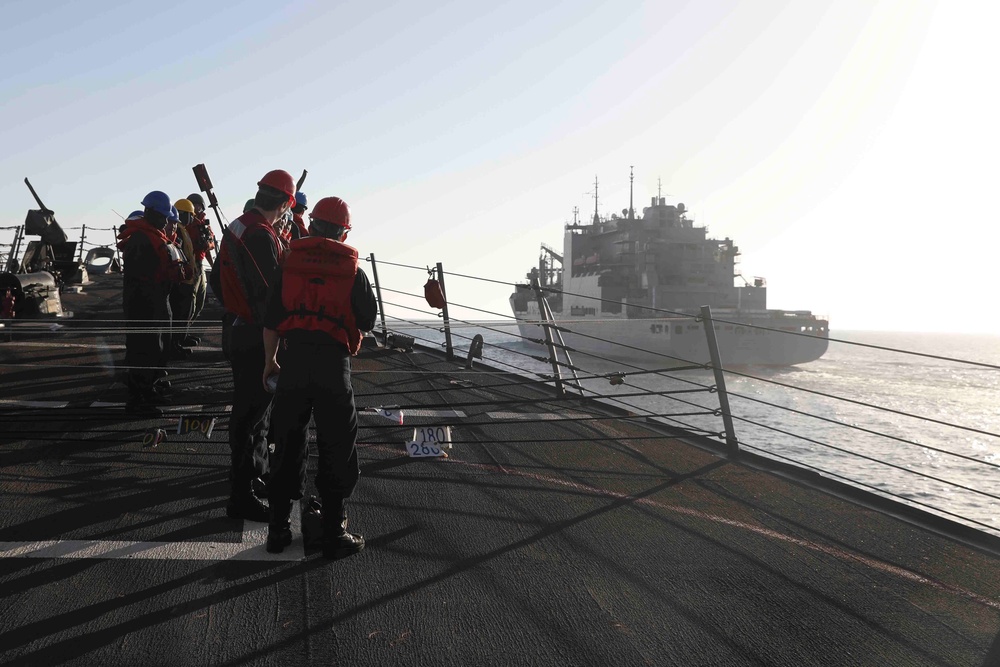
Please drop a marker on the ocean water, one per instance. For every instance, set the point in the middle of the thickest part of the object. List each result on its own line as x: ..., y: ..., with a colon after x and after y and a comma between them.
x: 898, y: 434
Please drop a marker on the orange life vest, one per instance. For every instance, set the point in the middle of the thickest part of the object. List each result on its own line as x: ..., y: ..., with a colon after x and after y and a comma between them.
x: 202, y: 238
x: 171, y: 267
x: 234, y: 295
x: 317, y: 279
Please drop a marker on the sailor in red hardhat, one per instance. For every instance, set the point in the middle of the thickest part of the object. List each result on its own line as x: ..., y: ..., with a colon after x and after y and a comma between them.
x: 247, y: 266
x: 318, y: 307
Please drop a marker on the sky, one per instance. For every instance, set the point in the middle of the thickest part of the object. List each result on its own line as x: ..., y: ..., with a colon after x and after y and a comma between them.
x: 848, y: 147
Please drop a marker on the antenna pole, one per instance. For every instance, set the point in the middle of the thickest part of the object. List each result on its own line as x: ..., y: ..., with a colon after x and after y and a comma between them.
x: 631, y: 177
x: 597, y: 218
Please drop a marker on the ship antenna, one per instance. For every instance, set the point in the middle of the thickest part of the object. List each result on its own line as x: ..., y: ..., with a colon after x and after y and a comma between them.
x: 659, y: 189
x: 631, y: 177
x: 576, y: 214
x: 597, y: 218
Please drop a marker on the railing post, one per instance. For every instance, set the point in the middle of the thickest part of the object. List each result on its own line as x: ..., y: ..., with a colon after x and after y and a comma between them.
x: 444, y: 313
x: 13, y: 263
x: 378, y: 295
x: 544, y: 314
x: 720, y: 379
x: 83, y: 235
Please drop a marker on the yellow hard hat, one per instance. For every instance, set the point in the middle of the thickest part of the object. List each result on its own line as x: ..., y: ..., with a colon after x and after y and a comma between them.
x: 184, y: 205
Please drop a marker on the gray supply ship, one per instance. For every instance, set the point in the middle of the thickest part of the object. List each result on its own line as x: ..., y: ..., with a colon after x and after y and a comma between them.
x: 631, y: 288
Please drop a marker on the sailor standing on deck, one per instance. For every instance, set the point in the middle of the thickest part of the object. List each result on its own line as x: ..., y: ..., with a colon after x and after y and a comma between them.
x: 299, y: 230
x: 247, y: 264
x: 318, y: 306
x: 182, y: 295
x: 203, y: 243
x: 151, y: 266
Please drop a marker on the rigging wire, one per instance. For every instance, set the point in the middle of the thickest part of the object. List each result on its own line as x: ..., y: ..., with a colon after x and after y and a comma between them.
x: 868, y: 458
x: 877, y: 490
x: 861, y: 403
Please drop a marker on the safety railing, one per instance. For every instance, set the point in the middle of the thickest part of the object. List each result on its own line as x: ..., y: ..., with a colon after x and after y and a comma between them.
x: 896, y: 440
x: 950, y: 472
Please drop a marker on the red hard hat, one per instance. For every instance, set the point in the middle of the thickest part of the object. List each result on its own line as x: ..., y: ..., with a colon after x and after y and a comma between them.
x: 281, y: 180
x: 333, y: 210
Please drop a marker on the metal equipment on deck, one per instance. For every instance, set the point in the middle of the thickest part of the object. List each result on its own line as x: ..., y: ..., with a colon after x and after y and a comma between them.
x: 35, y: 294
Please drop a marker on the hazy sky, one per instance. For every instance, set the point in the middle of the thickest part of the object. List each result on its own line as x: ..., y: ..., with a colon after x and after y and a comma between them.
x: 849, y: 147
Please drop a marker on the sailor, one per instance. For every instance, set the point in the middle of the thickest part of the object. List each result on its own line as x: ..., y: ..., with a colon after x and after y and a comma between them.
x: 299, y: 228
x: 318, y: 307
x: 151, y: 265
x: 247, y: 263
x: 182, y: 294
x: 203, y: 242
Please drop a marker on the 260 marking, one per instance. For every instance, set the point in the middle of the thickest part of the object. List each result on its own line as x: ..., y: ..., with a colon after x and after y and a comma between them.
x: 429, y: 441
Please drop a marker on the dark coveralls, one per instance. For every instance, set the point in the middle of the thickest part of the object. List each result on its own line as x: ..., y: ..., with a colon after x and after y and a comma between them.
x: 249, y: 420
x: 145, y: 301
x: 315, y: 380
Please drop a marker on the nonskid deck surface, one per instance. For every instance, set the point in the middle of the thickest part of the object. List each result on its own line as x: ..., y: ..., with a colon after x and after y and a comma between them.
x: 537, y: 541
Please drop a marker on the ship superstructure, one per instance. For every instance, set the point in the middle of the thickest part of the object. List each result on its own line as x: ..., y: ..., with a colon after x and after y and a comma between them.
x: 641, y: 280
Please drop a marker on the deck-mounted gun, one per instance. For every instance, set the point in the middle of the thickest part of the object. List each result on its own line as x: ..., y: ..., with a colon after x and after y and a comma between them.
x: 42, y: 222
x: 53, y: 252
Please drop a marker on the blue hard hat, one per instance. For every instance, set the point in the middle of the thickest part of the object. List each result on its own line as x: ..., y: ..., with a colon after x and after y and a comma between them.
x: 134, y: 215
x: 300, y: 199
x: 173, y: 217
x: 159, y: 202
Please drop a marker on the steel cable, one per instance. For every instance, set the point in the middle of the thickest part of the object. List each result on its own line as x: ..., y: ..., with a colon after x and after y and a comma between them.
x: 863, y: 404
x: 867, y: 458
x: 877, y: 490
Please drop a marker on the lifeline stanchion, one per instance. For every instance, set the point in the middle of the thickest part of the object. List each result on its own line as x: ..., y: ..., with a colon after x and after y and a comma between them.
x: 444, y: 312
x: 378, y: 294
x: 83, y: 236
x: 13, y: 263
x: 720, y: 378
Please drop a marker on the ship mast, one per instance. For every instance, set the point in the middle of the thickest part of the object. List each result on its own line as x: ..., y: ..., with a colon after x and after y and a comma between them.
x: 597, y: 218
x: 631, y: 178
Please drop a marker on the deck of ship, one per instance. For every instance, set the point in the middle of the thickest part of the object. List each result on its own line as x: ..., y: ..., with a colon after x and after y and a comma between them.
x: 539, y: 540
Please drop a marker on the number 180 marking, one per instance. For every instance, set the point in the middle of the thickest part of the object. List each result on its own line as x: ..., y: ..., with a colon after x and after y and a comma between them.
x: 429, y: 441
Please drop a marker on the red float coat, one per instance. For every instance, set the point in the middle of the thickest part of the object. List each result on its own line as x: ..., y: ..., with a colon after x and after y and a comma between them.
x: 202, y: 238
x: 171, y: 266
x: 234, y: 294
x: 317, y: 279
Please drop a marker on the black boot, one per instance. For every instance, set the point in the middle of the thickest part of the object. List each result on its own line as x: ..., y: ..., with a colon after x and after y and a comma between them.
x: 337, y: 542
x: 243, y: 502
x: 279, y: 529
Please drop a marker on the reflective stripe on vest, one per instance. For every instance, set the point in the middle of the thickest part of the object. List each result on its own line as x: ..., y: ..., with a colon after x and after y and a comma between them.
x: 234, y: 294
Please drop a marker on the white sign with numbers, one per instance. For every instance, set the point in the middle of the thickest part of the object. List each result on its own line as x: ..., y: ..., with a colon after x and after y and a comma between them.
x: 429, y: 441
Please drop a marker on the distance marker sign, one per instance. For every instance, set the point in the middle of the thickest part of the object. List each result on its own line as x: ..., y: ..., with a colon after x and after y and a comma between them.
x: 429, y: 441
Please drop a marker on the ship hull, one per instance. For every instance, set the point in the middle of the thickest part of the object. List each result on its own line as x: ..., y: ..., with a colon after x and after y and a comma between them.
x: 681, y: 341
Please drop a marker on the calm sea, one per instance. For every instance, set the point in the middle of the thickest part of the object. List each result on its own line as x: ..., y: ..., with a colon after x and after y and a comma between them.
x: 905, y: 418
